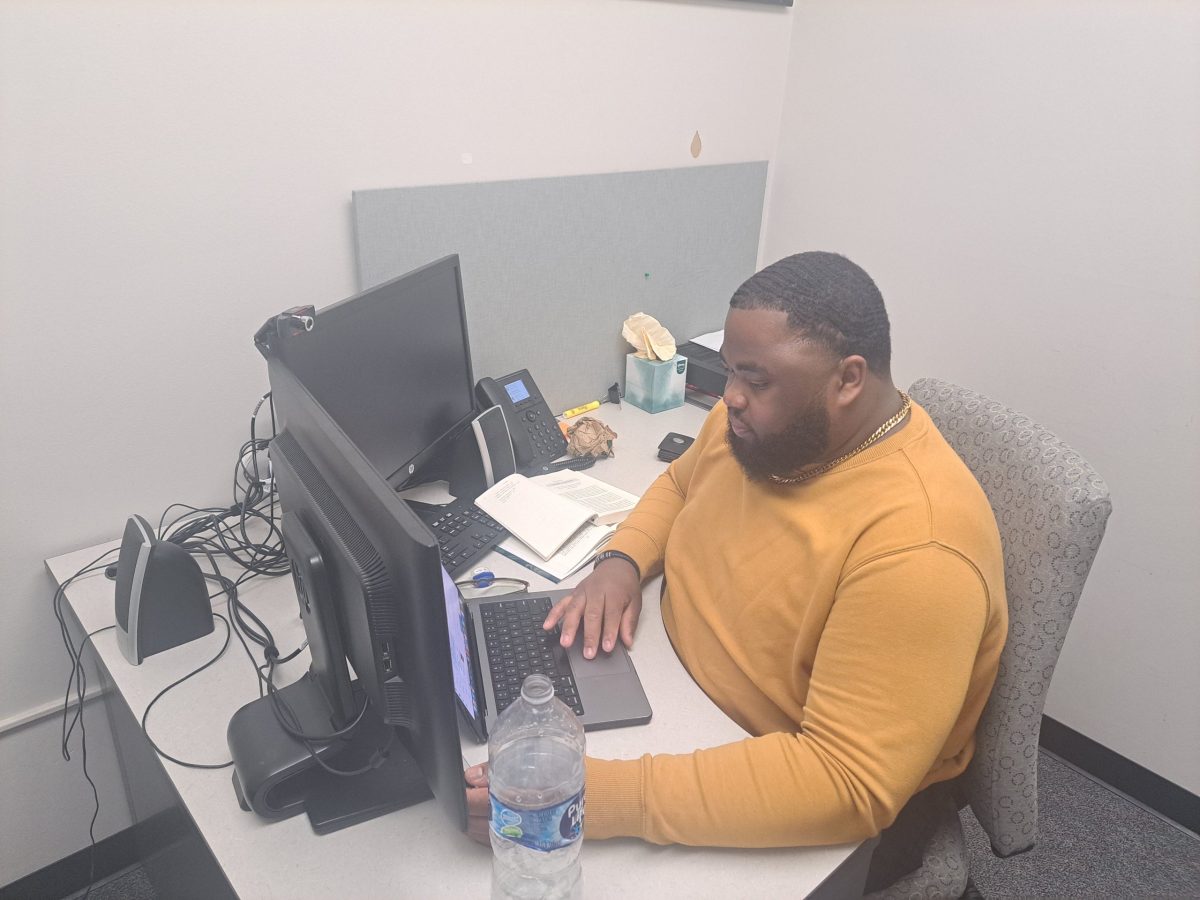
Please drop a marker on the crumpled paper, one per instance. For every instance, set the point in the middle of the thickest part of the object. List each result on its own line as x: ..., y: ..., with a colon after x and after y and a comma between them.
x: 649, y: 339
x: 590, y: 437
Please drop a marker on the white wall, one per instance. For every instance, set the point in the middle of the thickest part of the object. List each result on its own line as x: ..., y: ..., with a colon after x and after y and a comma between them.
x: 171, y: 174
x: 1015, y: 175
x: 1023, y: 182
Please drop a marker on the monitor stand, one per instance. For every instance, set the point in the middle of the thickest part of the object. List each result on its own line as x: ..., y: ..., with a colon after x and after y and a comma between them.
x: 462, y: 465
x: 275, y: 776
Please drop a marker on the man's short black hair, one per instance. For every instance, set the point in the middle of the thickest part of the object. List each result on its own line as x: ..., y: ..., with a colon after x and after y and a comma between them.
x: 828, y: 298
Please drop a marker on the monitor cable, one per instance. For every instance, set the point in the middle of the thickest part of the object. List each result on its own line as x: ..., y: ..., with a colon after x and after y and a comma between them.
x: 77, y: 679
x: 290, y: 723
x: 225, y: 530
x: 255, y: 631
x: 177, y: 682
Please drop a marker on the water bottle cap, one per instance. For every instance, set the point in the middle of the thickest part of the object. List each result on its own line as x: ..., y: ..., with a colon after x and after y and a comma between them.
x: 537, y: 689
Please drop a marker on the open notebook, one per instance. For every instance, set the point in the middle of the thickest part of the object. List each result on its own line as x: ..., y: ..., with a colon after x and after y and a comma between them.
x: 546, y: 512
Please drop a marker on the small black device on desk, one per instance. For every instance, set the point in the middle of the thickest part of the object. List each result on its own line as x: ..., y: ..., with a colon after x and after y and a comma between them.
x: 673, y: 445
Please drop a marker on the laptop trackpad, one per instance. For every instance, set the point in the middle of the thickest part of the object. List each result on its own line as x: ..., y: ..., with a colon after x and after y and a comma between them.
x: 613, y: 663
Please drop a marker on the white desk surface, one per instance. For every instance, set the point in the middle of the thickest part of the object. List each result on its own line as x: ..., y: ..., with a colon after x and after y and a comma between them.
x: 416, y: 852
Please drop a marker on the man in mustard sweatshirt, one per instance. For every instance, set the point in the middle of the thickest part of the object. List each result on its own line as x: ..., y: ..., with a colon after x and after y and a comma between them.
x: 833, y: 581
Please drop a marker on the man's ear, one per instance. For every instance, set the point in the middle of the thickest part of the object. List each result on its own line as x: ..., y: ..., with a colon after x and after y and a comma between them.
x: 851, y: 379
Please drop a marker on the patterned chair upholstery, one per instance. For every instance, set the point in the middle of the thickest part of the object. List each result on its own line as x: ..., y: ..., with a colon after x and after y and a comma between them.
x: 1051, y: 508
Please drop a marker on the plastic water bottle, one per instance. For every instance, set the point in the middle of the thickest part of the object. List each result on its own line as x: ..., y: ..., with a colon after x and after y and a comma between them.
x: 535, y: 763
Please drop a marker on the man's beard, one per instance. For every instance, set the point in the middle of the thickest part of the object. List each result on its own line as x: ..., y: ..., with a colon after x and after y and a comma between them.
x: 802, y: 443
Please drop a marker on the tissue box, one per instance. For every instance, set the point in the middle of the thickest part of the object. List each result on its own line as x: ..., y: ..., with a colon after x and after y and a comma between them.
x: 655, y: 384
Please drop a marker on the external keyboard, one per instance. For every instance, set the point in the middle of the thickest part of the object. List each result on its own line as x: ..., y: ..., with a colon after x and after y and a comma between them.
x: 463, y: 531
x: 517, y: 646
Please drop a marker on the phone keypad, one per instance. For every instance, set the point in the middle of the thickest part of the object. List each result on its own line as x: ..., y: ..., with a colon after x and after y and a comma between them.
x: 547, y: 440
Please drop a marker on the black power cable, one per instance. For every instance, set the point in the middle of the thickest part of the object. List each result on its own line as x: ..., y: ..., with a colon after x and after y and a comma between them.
x: 78, y: 680
x: 290, y: 723
x: 225, y: 530
x: 254, y: 501
x: 179, y: 681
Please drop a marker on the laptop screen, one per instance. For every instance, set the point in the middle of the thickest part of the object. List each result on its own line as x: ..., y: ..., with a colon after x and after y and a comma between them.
x: 460, y: 647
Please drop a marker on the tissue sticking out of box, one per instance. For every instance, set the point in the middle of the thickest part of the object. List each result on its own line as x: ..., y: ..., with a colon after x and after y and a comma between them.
x: 649, y: 339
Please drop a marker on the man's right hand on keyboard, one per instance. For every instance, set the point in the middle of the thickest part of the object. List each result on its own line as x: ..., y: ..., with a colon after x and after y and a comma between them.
x: 608, y: 601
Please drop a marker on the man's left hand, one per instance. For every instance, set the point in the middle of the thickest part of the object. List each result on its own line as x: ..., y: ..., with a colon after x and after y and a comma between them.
x: 479, y: 805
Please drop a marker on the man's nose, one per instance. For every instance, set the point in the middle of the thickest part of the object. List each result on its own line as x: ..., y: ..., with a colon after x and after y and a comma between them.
x: 734, y: 399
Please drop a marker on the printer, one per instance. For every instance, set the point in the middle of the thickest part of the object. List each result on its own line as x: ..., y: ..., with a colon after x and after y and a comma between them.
x: 705, y: 372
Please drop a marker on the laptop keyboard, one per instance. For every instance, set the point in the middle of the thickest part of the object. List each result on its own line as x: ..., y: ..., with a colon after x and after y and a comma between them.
x: 517, y: 646
x: 464, y: 532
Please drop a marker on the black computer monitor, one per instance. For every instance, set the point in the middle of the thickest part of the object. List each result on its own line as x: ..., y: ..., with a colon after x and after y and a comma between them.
x: 392, y: 366
x: 371, y: 590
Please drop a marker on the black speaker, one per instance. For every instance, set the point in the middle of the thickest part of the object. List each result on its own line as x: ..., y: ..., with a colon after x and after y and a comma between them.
x: 162, y: 600
x: 495, y: 445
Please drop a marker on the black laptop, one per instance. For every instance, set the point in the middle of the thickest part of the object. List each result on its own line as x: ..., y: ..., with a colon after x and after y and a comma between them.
x: 496, y: 641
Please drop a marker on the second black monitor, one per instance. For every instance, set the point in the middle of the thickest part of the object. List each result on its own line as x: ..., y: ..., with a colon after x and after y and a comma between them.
x: 392, y: 366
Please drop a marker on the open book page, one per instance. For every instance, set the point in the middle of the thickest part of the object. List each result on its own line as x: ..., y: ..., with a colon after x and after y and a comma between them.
x: 573, y: 556
x: 610, y: 504
x: 534, y: 513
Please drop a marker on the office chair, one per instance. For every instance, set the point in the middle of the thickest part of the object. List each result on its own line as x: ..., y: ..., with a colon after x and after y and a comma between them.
x: 1051, y: 507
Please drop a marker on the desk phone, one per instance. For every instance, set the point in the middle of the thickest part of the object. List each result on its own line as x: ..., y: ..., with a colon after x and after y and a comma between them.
x: 536, y: 438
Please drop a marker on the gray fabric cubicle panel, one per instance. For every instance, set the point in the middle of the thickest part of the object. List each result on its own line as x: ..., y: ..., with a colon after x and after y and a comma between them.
x: 552, y: 266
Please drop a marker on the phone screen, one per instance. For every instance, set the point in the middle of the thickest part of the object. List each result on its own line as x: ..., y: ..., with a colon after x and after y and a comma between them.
x: 517, y: 391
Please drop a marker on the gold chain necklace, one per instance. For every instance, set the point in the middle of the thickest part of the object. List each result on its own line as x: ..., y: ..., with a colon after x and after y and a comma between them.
x: 905, y: 406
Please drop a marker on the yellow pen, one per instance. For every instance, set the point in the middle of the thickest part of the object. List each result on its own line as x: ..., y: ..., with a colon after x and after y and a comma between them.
x: 595, y: 404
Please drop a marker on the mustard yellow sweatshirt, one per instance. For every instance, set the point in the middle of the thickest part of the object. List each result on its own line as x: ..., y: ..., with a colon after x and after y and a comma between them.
x: 852, y: 623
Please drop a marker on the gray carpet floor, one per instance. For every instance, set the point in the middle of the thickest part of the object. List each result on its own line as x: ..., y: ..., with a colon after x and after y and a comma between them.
x: 132, y: 884
x: 1093, y: 842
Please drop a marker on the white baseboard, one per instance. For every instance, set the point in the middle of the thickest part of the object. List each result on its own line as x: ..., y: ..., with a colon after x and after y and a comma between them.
x: 44, y: 711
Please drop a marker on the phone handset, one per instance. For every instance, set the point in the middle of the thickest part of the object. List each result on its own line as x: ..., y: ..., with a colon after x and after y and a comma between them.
x: 536, y: 439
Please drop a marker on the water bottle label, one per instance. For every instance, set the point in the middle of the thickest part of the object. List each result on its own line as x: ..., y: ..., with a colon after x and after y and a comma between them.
x: 540, y: 829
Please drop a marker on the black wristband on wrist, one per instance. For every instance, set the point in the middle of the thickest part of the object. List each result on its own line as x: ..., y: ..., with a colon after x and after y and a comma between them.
x: 617, y: 554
